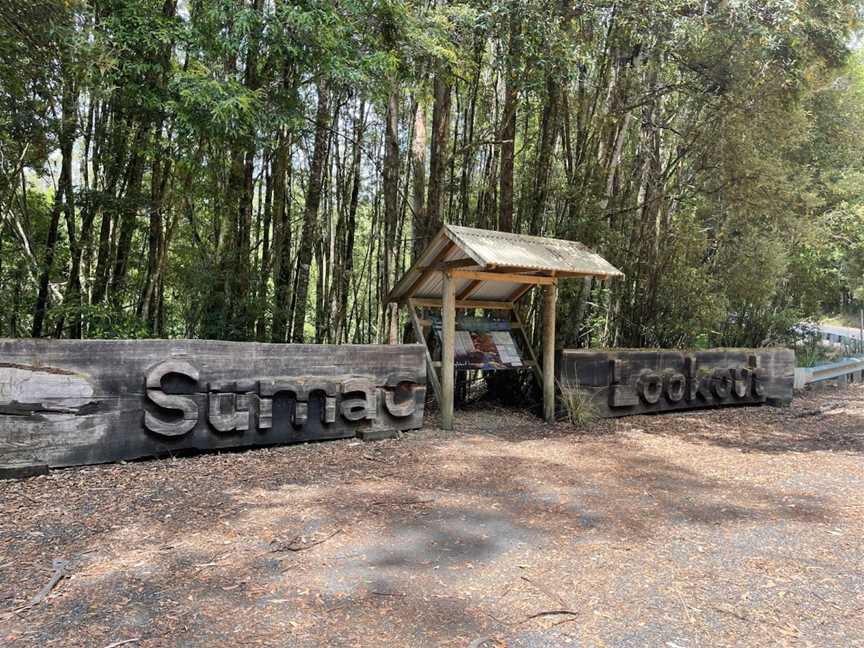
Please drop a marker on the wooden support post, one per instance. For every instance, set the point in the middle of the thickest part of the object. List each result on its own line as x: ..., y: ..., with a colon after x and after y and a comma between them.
x: 448, y: 349
x: 550, y: 296
x: 421, y: 337
x: 535, y: 366
x: 463, y: 303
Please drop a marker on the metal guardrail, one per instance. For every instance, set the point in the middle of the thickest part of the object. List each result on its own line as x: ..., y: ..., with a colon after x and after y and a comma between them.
x: 846, y: 370
x: 840, y: 338
x: 852, y: 339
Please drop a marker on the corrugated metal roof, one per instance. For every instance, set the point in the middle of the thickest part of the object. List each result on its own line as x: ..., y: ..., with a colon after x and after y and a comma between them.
x: 476, y: 249
x: 531, y: 252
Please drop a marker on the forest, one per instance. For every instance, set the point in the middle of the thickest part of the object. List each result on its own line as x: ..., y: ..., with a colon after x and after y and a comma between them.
x: 266, y: 169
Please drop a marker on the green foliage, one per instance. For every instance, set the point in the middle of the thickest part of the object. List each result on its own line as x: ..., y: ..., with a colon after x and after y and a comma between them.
x: 215, y: 108
x: 709, y: 150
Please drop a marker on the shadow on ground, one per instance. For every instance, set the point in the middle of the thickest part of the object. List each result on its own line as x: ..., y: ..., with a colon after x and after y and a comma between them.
x: 829, y: 420
x: 508, y: 529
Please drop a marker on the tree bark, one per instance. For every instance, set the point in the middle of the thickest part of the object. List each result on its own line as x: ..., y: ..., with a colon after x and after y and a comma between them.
x: 159, y: 172
x: 129, y: 215
x: 67, y: 140
x: 391, y: 202
x: 418, y: 161
x: 345, y: 272
x: 546, y: 147
x: 508, y: 122
x: 264, y: 270
x: 310, y: 216
x: 146, y: 303
x: 281, y: 240
x: 438, y: 157
x: 48, y: 262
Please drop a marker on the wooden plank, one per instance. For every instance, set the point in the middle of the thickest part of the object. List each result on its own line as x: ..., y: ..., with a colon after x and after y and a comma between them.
x: 530, y: 364
x: 465, y: 303
x: 507, y: 277
x: 431, y: 373
x: 626, y: 382
x: 563, y: 274
x: 554, y: 273
x: 427, y: 323
x: 550, y: 297
x: 429, y: 269
x: 519, y: 293
x: 454, y: 264
x: 534, y: 364
x: 448, y: 341
x: 468, y: 290
x: 518, y: 269
x: 74, y: 402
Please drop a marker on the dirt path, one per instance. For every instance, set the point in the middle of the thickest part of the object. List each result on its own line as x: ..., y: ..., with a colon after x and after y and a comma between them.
x: 735, y: 527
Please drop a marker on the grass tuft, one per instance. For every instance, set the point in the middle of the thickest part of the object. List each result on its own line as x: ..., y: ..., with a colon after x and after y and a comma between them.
x: 579, y: 407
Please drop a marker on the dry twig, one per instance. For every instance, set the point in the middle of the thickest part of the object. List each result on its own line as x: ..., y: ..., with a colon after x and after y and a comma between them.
x: 291, y: 546
x: 123, y: 643
x: 60, y: 566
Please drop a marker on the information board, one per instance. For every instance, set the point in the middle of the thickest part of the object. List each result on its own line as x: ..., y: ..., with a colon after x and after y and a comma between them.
x: 483, y: 344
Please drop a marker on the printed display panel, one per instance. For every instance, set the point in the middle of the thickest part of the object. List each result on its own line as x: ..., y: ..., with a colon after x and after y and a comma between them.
x: 483, y: 344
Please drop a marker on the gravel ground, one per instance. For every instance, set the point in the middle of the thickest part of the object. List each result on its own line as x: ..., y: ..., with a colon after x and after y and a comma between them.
x: 719, y: 528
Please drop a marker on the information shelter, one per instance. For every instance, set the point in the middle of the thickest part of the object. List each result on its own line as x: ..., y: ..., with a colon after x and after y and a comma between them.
x: 465, y: 268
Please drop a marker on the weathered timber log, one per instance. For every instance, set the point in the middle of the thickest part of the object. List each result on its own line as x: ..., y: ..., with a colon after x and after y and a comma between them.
x: 625, y: 382
x: 72, y: 402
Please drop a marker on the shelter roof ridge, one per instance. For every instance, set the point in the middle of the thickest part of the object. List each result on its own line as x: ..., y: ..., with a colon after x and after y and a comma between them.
x: 495, y: 251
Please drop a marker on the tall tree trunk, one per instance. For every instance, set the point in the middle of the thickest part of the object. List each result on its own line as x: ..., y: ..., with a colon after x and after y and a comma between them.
x: 129, y: 215
x: 418, y: 202
x: 508, y: 121
x: 159, y: 172
x: 103, y: 254
x: 67, y: 140
x: 310, y: 215
x: 109, y: 167
x: 320, y: 290
x: 282, y: 266
x: 48, y: 261
x: 281, y: 240
x: 438, y: 157
x: 468, y: 148
x: 146, y: 304
x: 345, y: 271
x: 391, y: 203
x: 264, y: 271
x: 546, y: 147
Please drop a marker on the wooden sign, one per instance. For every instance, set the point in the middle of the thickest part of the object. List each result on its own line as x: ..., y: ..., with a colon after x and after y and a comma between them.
x: 639, y: 382
x: 68, y: 402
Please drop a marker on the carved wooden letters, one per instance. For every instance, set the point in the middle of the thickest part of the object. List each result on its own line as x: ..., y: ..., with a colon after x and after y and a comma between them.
x: 237, y: 407
x: 634, y: 382
x: 71, y: 402
x: 183, y: 404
